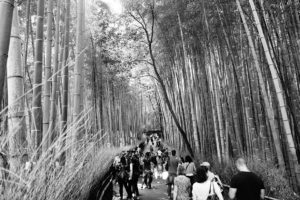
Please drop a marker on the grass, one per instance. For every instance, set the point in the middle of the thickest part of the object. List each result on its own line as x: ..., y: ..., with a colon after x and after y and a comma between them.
x: 87, y: 160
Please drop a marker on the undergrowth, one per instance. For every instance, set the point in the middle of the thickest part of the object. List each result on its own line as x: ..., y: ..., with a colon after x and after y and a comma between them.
x: 49, y: 179
x: 275, y: 180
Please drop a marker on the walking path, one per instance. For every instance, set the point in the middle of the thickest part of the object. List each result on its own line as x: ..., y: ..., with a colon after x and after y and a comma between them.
x: 159, y: 187
x: 158, y: 191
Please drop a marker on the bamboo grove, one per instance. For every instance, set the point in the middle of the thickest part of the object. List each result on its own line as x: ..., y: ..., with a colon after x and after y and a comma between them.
x: 227, y: 74
x: 63, y: 81
x: 219, y: 77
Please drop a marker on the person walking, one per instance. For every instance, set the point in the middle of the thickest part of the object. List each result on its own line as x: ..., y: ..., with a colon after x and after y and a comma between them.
x: 190, y: 168
x: 172, y: 164
x: 182, y: 185
x: 122, y: 178
x: 203, y: 187
x: 147, y: 170
x: 134, y: 175
x: 159, y: 165
x: 154, y: 164
x: 212, y: 176
x: 246, y: 185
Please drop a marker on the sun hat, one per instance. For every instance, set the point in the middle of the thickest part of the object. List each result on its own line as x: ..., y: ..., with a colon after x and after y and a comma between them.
x: 205, y: 164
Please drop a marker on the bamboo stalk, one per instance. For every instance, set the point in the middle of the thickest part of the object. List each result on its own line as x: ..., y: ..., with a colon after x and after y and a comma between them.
x: 279, y: 93
x: 36, y: 131
x: 47, y: 84
x: 15, y: 85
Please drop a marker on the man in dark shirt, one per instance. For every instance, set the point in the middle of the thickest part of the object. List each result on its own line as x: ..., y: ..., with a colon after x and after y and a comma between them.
x: 147, y: 170
x: 246, y: 185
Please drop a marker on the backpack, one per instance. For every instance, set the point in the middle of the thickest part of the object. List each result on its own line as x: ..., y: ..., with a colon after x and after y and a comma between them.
x: 122, y: 173
x: 211, y: 194
x: 136, y: 167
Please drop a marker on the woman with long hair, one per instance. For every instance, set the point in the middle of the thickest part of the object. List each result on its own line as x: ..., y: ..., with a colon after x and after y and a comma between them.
x: 190, y: 168
x: 203, y: 187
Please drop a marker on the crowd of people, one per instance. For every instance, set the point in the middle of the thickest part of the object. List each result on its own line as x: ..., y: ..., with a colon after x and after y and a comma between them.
x: 187, y: 181
x: 199, y: 183
x: 130, y: 165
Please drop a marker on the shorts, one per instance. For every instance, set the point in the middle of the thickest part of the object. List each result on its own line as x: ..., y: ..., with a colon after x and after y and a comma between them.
x: 170, y: 179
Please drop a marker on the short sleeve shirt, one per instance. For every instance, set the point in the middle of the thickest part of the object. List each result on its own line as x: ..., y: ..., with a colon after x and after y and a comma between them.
x: 190, y: 169
x: 248, y: 186
x: 173, y: 164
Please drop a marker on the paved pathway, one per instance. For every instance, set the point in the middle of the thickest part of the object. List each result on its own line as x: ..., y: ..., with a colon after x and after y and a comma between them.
x: 158, y: 191
x: 159, y: 187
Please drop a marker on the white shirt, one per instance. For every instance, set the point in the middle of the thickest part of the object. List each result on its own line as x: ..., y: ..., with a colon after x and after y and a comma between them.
x: 201, y: 190
x: 159, y: 152
x: 190, y: 169
x: 210, y: 175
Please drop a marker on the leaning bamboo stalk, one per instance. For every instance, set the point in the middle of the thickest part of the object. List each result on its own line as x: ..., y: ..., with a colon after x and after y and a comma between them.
x: 188, y: 67
x: 214, y: 110
x: 270, y: 112
x: 219, y: 109
x: 279, y: 94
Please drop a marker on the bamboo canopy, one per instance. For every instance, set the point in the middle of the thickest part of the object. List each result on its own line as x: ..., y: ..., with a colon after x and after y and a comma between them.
x: 218, y: 80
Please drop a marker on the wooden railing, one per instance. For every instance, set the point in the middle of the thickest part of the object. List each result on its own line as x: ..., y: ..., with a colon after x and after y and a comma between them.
x: 103, y: 189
